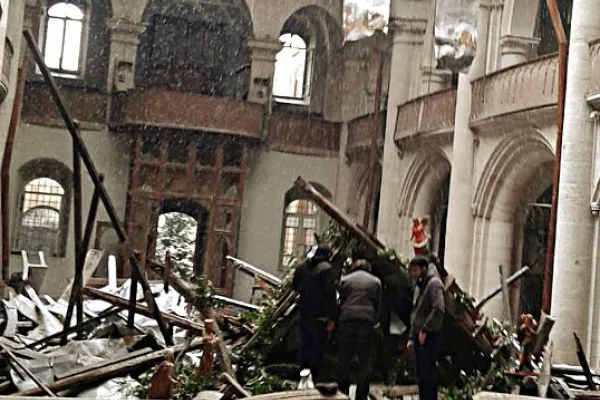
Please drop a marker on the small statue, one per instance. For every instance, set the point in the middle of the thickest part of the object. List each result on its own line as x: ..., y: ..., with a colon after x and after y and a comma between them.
x: 209, y: 340
x: 162, y: 381
x: 419, y: 236
x: 527, y: 336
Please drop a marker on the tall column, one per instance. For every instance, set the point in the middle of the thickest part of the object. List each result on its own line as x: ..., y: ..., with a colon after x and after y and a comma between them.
x: 574, y: 227
x: 263, y: 69
x: 517, y: 49
x: 408, y: 30
x: 459, y: 242
x: 124, y: 39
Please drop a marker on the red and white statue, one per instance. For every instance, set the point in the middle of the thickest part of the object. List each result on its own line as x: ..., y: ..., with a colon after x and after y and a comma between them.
x: 419, y: 236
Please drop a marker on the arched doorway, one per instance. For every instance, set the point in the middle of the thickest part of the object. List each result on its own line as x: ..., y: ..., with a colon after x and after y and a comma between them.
x: 181, y: 230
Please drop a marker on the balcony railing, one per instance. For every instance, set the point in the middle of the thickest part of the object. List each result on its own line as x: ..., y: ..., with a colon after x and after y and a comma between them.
x: 426, y: 114
x: 303, y: 135
x: 178, y: 110
x: 360, y: 132
x: 524, y: 87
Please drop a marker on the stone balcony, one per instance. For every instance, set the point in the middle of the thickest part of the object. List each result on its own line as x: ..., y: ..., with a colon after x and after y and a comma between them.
x: 522, y: 93
x: 426, y: 115
x: 360, y: 133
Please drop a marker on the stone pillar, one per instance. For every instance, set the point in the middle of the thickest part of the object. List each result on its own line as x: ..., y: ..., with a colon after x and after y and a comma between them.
x: 517, y: 49
x: 459, y: 242
x: 408, y: 30
x: 124, y: 39
x: 263, y: 69
x: 574, y: 228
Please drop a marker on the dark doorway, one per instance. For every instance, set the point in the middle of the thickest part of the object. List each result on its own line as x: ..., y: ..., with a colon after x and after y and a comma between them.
x: 535, y: 236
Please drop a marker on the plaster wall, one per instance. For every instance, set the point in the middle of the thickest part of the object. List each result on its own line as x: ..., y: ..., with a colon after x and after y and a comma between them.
x: 111, y: 157
x: 270, y: 176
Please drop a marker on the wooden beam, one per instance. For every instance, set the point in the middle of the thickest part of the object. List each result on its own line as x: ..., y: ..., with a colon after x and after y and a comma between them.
x: 42, y: 388
x: 120, y: 368
x: 143, y: 310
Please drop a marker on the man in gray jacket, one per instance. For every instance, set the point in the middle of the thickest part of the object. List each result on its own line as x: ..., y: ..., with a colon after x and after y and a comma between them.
x: 426, y: 323
x: 360, y: 304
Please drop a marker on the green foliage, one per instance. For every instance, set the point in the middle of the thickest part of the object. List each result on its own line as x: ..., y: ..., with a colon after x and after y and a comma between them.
x: 464, y: 302
x: 205, y: 293
x: 187, y: 386
x: 265, y: 383
x: 468, y: 386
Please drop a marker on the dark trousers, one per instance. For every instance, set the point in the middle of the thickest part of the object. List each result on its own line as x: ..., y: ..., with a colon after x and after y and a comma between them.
x: 313, y: 345
x: 425, y: 366
x: 355, y: 339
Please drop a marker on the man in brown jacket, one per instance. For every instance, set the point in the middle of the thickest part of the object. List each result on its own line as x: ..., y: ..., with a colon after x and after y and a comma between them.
x: 426, y: 323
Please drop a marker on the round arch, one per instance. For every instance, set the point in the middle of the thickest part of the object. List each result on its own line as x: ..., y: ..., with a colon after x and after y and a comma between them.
x: 423, y: 192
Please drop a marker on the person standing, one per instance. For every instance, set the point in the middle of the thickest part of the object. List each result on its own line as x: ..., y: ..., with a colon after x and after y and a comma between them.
x: 426, y: 323
x: 313, y: 280
x: 360, y: 304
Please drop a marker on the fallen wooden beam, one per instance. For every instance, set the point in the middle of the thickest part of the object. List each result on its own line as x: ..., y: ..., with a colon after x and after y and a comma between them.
x: 233, y: 388
x: 15, y: 361
x: 512, y: 279
x: 254, y: 271
x: 142, y: 310
x: 187, y: 291
x: 77, y: 328
x: 118, y: 369
x: 83, y: 370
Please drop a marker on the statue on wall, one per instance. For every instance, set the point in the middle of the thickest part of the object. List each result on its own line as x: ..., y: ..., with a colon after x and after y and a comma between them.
x: 419, y: 236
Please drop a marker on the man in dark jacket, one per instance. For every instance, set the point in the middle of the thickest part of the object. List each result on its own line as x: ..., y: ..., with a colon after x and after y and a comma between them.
x: 360, y: 303
x: 426, y: 322
x: 313, y: 281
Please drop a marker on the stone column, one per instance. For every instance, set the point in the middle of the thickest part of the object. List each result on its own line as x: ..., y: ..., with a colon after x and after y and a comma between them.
x: 124, y: 39
x: 263, y: 69
x: 459, y: 242
x: 574, y: 228
x: 517, y: 49
x: 408, y: 25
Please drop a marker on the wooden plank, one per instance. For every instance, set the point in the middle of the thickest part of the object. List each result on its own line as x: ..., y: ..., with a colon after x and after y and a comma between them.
x: 143, y: 310
x: 102, y: 374
x: 88, y: 368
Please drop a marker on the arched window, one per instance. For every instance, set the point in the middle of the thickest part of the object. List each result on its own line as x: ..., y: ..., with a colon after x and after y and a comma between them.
x: 42, y: 207
x: 300, y: 225
x: 63, y: 38
x: 292, y: 68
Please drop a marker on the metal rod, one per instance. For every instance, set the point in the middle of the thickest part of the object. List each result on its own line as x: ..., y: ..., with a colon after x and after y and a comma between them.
x: 78, y: 233
x: 30, y: 374
x: 93, y: 172
x: 89, y: 226
x: 375, y: 134
x: 563, y: 57
x: 512, y: 279
x: 132, y: 296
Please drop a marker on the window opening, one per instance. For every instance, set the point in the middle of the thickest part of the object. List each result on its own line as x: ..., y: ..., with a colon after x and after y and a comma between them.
x: 291, y: 68
x: 301, y: 224
x: 40, y: 216
x: 63, y: 39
